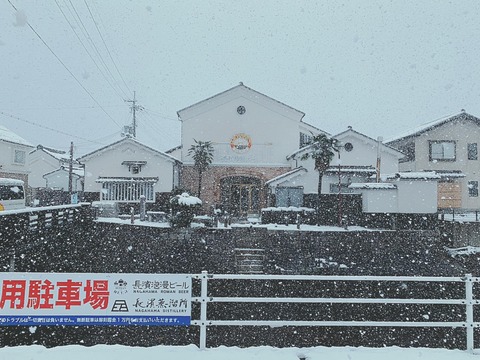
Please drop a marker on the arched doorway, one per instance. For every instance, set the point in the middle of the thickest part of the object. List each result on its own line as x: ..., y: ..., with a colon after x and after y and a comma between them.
x: 241, y: 195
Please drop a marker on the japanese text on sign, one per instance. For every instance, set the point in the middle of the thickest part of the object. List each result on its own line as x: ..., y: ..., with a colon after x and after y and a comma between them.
x: 90, y: 299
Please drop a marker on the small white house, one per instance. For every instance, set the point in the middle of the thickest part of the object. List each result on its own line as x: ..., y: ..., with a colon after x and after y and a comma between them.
x: 46, y: 163
x: 359, y: 157
x: 126, y: 170
x: 59, y: 179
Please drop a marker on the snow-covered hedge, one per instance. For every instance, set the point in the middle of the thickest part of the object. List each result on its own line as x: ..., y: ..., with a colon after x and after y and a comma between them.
x: 288, y: 215
x: 184, y: 207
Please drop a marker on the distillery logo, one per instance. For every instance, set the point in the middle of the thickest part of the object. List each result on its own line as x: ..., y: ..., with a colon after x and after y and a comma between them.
x: 241, y: 143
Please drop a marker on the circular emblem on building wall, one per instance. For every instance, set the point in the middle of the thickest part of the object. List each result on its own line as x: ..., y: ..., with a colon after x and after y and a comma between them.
x: 241, y: 109
x: 241, y: 143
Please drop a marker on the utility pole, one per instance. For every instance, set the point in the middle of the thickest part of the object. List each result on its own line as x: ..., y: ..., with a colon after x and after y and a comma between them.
x: 134, y: 107
x: 70, y: 172
x: 379, y: 158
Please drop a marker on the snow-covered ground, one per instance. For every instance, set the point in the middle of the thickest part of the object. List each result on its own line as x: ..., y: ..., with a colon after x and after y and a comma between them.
x: 463, y: 217
x: 291, y: 227
x: 118, y: 352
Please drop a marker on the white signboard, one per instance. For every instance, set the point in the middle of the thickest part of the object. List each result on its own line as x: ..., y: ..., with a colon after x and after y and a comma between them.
x: 95, y: 299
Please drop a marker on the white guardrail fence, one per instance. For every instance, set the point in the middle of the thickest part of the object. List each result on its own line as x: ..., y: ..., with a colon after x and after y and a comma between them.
x: 465, y: 299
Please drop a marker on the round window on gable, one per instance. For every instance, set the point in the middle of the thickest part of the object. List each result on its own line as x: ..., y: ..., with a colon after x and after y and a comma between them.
x: 348, y: 147
x: 241, y: 110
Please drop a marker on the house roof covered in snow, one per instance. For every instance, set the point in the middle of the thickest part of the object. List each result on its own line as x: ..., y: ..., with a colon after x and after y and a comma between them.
x: 450, y: 174
x: 373, y: 186
x: 121, y: 179
x: 358, y: 169
x: 79, y: 172
x: 294, y: 154
x: 8, y: 181
x: 286, y: 177
x: 126, y: 140
x: 417, y: 131
x: 414, y: 175
x: 59, y: 155
x: 9, y: 136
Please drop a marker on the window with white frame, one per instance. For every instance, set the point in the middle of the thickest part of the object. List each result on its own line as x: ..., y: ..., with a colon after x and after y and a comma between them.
x: 127, y: 191
x: 442, y: 150
x: 19, y: 157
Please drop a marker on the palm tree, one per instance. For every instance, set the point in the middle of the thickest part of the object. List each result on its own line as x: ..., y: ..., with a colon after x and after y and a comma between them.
x: 321, y: 148
x: 202, y: 154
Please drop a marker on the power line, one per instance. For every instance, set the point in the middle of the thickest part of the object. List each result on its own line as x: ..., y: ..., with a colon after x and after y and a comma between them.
x: 100, y: 140
x: 45, y: 127
x: 88, y: 52
x: 160, y: 115
x: 106, y: 47
x: 151, y: 124
x: 61, y: 108
x: 66, y: 68
x: 89, y: 38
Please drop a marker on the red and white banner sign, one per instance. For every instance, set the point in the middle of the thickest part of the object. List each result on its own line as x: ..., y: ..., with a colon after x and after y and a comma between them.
x: 95, y: 299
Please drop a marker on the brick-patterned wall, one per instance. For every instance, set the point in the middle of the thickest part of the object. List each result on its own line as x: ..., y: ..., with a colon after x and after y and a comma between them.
x: 212, y: 177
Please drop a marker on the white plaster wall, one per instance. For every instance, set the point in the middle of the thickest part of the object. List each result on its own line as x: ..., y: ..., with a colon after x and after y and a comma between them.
x: 410, y: 197
x: 379, y: 201
x: 108, y: 163
x: 364, y: 153
x: 273, y: 129
x: 59, y: 180
x: 39, y: 164
x: 417, y: 197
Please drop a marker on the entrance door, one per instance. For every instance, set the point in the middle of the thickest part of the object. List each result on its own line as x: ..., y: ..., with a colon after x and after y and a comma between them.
x: 240, y: 195
x: 245, y: 196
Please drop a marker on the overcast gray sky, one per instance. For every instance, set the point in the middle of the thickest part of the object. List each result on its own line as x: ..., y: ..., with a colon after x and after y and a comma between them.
x: 382, y: 67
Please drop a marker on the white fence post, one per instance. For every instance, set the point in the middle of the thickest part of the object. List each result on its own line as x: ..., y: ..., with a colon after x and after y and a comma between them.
x: 203, y: 310
x: 469, y: 311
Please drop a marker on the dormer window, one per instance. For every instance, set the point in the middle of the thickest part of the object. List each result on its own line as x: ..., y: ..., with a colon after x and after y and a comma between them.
x: 135, y: 167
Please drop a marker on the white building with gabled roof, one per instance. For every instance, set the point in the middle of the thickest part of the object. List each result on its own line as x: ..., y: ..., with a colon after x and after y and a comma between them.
x: 448, y: 146
x: 13, y: 156
x: 127, y: 169
x: 359, y: 157
x: 251, y: 134
x: 59, y: 179
x: 44, y: 160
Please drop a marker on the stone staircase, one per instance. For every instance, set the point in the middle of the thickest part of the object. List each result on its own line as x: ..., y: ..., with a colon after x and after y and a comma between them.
x: 249, y: 261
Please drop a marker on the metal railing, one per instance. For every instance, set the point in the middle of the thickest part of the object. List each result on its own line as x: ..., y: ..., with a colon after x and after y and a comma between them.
x: 466, y: 299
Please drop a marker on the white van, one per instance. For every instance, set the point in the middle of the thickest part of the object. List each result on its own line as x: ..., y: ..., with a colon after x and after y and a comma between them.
x: 12, y: 194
